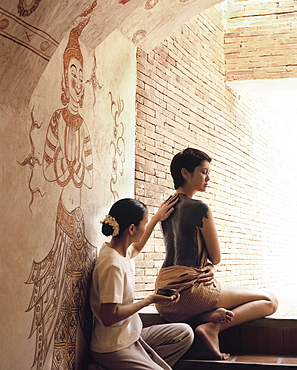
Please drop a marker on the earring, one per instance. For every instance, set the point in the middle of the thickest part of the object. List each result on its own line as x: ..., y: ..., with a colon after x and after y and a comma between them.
x: 64, y: 96
x: 81, y: 102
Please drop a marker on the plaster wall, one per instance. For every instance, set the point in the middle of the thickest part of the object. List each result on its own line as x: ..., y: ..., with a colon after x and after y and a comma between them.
x: 31, y: 249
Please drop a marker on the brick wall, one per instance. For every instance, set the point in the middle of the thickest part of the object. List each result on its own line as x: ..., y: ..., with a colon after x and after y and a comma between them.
x: 182, y: 101
x: 261, y: 40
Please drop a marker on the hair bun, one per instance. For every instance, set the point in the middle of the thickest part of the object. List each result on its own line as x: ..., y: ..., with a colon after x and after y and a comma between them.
x: 110, y: 226
x: 107, y: 230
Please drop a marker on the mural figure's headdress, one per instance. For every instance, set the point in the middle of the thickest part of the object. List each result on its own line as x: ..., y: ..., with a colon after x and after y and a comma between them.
x: 72, y: 49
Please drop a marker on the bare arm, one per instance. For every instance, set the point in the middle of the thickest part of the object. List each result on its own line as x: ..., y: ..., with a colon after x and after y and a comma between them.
x: 163, y: 212
x: 210, y: 236
x: 111, y: 313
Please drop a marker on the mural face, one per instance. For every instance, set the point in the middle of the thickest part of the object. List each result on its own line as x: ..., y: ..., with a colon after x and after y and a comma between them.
x: 75, y: 80
x: 59, y: 300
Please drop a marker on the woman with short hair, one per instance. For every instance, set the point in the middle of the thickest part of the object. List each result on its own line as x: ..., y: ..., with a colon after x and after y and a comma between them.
x: 192, y: 250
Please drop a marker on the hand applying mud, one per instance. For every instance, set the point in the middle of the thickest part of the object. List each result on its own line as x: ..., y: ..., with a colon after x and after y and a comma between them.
x: 166, y: 208
x: 164, y: 211
x: 207, y: 274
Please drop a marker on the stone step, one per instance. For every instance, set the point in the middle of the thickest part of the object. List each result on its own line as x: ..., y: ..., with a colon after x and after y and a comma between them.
x: 264, y: 336
x: 269, y: 336
x: 241, y: 362
x: 264, y: 344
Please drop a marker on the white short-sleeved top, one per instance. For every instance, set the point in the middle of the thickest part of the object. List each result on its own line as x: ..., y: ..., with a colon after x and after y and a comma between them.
x: 113, y: 282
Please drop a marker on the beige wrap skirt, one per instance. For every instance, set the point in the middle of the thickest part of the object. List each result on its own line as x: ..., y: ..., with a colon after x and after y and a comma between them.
x: 195, y: 297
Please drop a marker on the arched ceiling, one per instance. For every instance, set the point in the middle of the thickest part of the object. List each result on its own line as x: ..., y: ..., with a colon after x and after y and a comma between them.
x: 30, y: 31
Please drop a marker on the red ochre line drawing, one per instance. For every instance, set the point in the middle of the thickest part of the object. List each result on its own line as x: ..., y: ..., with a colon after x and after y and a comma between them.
x: 117, y: 144
x: 62, y: 319
x: 94, y: 81
x: 26, y: 35
x: 32, y: 160
x: 26, y: 8
x: 89, y: 9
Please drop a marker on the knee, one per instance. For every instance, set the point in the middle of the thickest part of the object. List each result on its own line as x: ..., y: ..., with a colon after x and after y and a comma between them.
x: 186, y: 333
x: 189, y: 334
x: 274, y: 302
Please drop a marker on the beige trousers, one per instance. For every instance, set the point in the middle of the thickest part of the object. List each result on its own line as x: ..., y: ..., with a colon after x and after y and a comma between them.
x: 159, y: 347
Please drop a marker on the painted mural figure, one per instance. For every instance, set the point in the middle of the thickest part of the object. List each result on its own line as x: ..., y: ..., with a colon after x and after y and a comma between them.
x: 62, y: 279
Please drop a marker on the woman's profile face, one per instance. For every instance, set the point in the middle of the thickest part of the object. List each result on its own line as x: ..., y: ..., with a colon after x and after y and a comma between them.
x: 140, y: 229
x: 200, y: 177
x: 75, y: 79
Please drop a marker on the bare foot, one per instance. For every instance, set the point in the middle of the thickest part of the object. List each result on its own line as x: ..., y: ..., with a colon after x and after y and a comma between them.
x: 208, y: 333
x: 220, y: 315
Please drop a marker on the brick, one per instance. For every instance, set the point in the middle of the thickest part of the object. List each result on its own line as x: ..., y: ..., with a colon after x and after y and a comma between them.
x: 182, y: 101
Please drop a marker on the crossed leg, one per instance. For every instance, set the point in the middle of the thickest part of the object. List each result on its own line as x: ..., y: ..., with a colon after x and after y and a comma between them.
x: 246, y: 304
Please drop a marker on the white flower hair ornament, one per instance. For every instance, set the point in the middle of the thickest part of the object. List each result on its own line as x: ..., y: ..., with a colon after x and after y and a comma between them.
x: 113, y: 223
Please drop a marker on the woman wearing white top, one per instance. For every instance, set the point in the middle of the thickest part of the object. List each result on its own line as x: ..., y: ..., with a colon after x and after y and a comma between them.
x: 118, y: 339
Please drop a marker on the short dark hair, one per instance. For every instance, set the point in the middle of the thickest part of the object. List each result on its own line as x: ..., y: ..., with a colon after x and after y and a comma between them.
x: 189, y: 159
x: 126, y: 211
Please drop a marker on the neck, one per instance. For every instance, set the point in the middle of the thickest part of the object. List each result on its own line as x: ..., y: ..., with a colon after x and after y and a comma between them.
x: 73, y: 107
x: 120, y: 245
x: 184, y: 190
